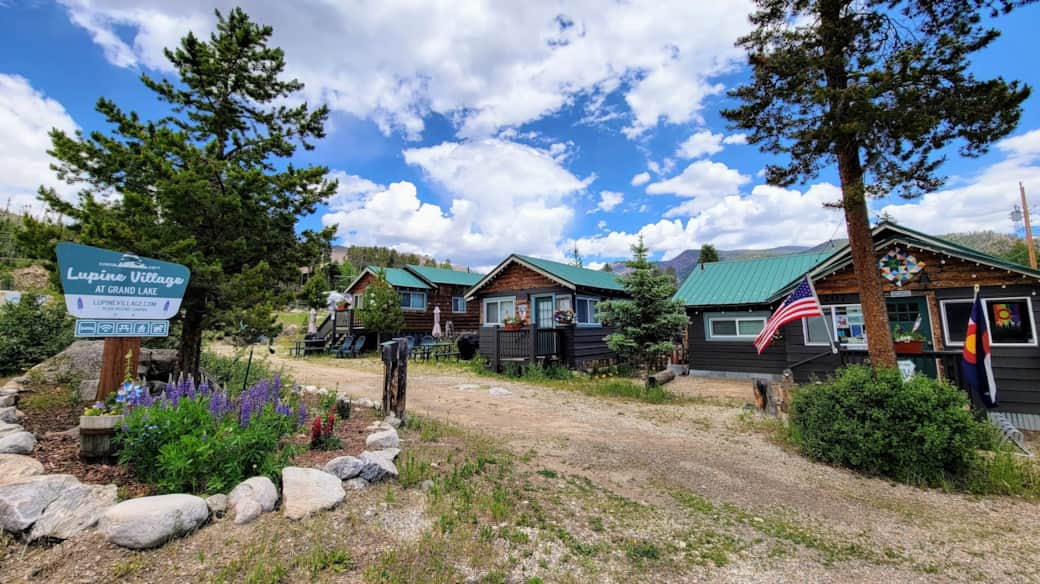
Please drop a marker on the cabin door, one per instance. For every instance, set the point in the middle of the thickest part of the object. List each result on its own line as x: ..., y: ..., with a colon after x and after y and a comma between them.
x: 908, y: 314
x: 545, y: 343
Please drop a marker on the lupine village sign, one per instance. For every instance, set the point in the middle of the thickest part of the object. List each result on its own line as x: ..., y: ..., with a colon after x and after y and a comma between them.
x: 119, y: 294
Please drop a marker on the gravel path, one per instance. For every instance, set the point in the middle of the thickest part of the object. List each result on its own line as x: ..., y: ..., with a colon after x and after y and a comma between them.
x: 649, y: 453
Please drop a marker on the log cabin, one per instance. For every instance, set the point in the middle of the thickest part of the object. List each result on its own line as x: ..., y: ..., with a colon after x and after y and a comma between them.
x: 422, y: 289
x: 534, y: 289
x: 928, y: 283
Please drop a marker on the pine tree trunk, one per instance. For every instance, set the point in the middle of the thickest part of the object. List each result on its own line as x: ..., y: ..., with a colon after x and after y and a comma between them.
x: 190, y: 350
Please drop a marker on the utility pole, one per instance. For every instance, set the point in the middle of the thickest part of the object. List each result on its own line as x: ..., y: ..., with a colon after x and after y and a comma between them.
x: 1029, y: 228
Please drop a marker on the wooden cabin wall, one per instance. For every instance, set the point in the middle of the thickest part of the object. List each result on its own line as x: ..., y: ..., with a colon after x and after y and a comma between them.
x: 731, y: 356
x: 421, y: 321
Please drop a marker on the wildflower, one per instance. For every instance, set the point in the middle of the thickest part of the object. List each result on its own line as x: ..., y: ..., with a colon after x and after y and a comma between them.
x: 301, y: 416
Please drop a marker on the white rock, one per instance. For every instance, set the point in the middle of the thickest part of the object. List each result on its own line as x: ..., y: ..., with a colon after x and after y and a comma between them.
x: 377, y: 467
x: 8, y: 399
x: 344, y: 467
x: 9, y: 415
x: 88, y: 390
x: 355, y: 484
x: 8, y: 429
x: 383, y: 439
x: 308, y: 490
x: 261, y: 489
x: 378, y: 427
x: 393, y: 421
x: 152, y: 521
x: 217, y: 503
x: 17, y: 443
x: 247, y: 510
x: 14, y: 467
x: 387, y: 453
x: 467, y: 387
x: 499, y: 391
x: 426, y: 485
x: 76, y: 509
x: 24, y: 501
x: 309, y: 388
x: 365, y: 403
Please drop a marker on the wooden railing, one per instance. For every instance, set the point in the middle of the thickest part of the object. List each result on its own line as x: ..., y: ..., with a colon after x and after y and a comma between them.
x: 527, y: 345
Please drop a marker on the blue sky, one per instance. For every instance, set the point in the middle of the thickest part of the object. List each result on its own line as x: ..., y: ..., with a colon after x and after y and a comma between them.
x: 472, y: 130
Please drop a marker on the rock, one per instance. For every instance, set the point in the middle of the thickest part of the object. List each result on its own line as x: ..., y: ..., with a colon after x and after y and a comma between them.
x: 377, y: 467
x: 76, y: 509
x: 73, y: 432
x: 306, y: 490
x: 9, y: 415
x: 259, y: 490
x: 23, y: 502
x: 161, y: 363
x: 467, y: 386
x: 426, y: 485
x: 499, y: 392
x: 7, y: 429
x: 383, y: 439
x: 309, y: 388
x: 393, y: 421
x: 246, y: 510
x: 30, y: 278
x: 355, y: 484
x: 364, y: 403
x: 344, y: 467
x: 8, y: 400
x: 217, y: 504
x: 387, y: 453
x: 17, y: 443
x: 81, y: 359
x: 378, y: 427
x: 148, y: 522
x: 14, y: 467
x: 88, y: 390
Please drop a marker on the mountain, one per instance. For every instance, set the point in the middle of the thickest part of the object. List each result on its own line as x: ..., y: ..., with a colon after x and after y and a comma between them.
x: 988, y: 242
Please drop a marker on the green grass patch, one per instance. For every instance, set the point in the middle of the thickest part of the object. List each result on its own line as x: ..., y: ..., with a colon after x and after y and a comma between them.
x: 642, y: 550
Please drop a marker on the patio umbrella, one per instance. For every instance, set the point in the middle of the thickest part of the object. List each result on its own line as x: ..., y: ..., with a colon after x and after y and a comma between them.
x: 312, y: 322
x: 437, y: 322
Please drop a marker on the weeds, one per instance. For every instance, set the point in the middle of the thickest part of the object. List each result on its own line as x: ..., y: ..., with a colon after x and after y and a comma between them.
x: 412, y: 471
x: 642, y: 550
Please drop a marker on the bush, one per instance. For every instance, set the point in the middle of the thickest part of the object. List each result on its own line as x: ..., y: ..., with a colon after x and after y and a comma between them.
x: 920, y: 431
x: 201, y: 441
x: 231, y: 371
x: 31, y: 331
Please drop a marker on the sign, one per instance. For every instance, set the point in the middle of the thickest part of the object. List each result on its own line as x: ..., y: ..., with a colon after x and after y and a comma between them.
x: 122, y: 328
x: 104, y: 284
x: 899, y: 294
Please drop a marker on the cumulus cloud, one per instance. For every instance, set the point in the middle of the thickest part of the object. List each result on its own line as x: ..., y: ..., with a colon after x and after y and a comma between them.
x: 704, y: 143
x: 26, y: 115
x: 640, y: 179
x: 608, y: 200
x: 704, y: 181
x: 735, y: 139
x: 486, y: 66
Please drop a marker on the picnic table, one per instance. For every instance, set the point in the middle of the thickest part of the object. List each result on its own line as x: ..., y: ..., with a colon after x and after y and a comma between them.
x: 307, y: 347
x: 435, y: 350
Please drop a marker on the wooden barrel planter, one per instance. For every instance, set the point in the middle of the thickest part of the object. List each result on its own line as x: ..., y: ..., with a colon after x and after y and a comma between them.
x: 97, y: 437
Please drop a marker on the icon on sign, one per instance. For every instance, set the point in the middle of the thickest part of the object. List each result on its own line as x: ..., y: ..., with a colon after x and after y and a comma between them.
x: 106, y: 328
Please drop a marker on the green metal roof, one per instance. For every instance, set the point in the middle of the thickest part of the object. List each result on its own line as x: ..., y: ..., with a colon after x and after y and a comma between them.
x: 445, y: 276
x: 400, y: 278
x: 575, y: 275
x: 752, y: 281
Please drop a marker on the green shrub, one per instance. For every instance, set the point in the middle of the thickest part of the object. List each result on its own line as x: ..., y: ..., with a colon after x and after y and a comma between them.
x: 920, y: 431
x: 231, y: 370
x: 31, y: 331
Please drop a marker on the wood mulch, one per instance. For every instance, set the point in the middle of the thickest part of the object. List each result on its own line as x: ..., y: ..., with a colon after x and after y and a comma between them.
x: 351, y: 433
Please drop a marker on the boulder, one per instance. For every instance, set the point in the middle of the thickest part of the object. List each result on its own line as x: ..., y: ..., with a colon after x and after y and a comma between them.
x: 383, y: 439
x: 355, y: 484
x: 387, y: 453
x: 23, y: 502
x: 148, y: 522
x: 307, y: 490
x: 344, y: 467
x: 17, y: 443
x: 259, y: 489
x: 7, y: 429
x: 161, y: 363
x: 14, y: 467
x: 8, y: 400
x: 76, y: 509
x: 246, y: 510
x: 377, y: 467
x: 217, y: 504
x: 392, y: 421
x: 88, y: 390
x: 9, y: 415
x: 378, y: 426
x: 81, y: 359
x: 426, y: 485
x: 499, y: 392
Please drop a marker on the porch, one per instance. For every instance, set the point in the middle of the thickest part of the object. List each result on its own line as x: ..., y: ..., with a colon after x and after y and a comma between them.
x: 521, y: 347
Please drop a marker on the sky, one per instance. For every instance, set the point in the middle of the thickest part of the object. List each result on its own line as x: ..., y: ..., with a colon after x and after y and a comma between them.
x: 469, y: 130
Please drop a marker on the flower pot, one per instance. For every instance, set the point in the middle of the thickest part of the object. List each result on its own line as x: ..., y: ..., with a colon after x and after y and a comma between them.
x: 513, y: 327
x: 96, y: 436
x: 909, y: 347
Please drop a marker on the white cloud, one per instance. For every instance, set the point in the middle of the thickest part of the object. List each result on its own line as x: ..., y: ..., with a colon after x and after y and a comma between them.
x: 735, y: 139
x: 640, y: 179
x: 502, y: 197
x: 608, y: 200
x: 601, y: 224
x: 26, y: 115
x: 704, y: 181
x: 703, y: 143
x: 485, y: 65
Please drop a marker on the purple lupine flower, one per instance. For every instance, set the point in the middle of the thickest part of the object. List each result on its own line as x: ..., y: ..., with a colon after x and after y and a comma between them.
x: 277, y: 384
x: 301, y: 415
x: 244, y: 413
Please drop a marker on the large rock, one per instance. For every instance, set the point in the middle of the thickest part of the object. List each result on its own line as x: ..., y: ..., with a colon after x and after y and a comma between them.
x: 9, y: 415
x: 252, y: 497
x: 309, y: 490
x: 8, y: 400
x: 24, y: 501
x: 217, y: 504
x: 383, y: 439
x: 377, y: 467
x: 355, y: 484
x: 161, y: 363
x: 17, y: 443
x: 14, y: 467
x: 7, y: 429
x: 148, y: 522
x: 76, y: 509
x: 88, y: 390
x: 81, y: 359
x: 344, y: 467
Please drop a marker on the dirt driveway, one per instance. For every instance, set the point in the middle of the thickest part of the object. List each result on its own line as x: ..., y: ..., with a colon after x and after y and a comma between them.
x: 700, y: 457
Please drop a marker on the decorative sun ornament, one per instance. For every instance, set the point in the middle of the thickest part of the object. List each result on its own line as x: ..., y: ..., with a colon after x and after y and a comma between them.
x: 899, y: 267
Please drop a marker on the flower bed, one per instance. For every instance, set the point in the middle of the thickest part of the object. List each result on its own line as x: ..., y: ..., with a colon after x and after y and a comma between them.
x: 197, y: 440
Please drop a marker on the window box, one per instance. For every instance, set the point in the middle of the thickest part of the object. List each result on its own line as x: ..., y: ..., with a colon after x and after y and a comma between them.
x: 909, y: 347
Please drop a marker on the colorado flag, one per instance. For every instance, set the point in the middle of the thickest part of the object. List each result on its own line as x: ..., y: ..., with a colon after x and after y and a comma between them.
x: 978, y: 366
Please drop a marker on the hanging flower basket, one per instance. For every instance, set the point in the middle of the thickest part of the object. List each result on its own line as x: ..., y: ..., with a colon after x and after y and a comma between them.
x: 564, y: 317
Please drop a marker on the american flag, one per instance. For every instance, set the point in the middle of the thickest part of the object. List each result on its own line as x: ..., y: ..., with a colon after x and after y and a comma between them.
x: 800, y: 304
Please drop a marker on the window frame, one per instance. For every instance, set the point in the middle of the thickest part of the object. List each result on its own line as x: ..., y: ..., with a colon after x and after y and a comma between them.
x: 495, y: 300
x: 827, y: 314
x: 411, y: 294
x: 834, y: 326
x: 463, y: 300
x: 945, y: 325
x: 359, y: 301
x: 711, y: 317
x: 1032, y: 321
x: 593, y: 317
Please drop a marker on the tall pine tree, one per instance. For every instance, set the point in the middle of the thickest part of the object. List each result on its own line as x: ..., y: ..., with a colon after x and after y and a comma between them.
x: 206, y: 185
x: 708, y: 254
x: 381, y: 311
x: 880, y: 88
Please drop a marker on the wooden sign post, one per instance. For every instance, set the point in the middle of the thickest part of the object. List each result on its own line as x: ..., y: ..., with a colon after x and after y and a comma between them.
x: 395, y: 377
x: 113, y: 363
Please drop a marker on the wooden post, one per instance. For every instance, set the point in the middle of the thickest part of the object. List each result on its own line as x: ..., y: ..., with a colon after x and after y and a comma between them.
x: 113, y: 363
x: 402, y: 378
x: 532, y: 344
x: 496, y: 353
x: 1029, y: 228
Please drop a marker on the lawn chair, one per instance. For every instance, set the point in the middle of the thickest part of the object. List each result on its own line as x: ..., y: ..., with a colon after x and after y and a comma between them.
x: 354, y: 351
x: 347, y: 342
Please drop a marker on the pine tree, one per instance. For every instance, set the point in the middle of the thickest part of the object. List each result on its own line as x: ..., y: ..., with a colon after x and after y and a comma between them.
x: 879, y: 87
x: 576, y: 259
x: 206, y: 186
x: 315, y: 292
x: 607, y: 267
x: 381, y: 311
x: 646, y: 325
x: 708, y: 254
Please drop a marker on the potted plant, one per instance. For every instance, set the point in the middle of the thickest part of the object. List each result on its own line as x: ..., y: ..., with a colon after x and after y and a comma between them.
x: 514, y: 323
x: 100, y: 422
x: 911, y: 342
x: 564, y: 317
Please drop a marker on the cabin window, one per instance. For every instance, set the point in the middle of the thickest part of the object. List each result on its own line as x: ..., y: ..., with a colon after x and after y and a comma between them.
x: 586, y: 312
x: 724, y: 327
x: 847, y: 322
x: 955, y: 315
x: 413, y: 300
x: 1010, y: 321
x: 359, y: 301
x: 497, y: 310
x: 818, y: 329
x: 458, y: 304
